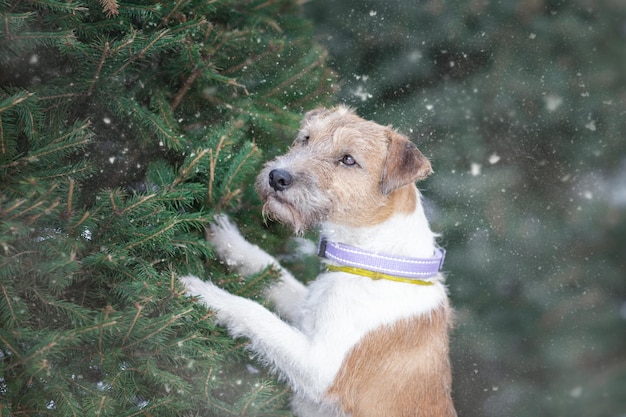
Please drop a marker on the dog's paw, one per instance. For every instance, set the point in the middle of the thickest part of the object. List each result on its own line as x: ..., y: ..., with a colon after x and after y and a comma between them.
x: 234, y: 250
x: 227, y: 241
x: 209, y: 294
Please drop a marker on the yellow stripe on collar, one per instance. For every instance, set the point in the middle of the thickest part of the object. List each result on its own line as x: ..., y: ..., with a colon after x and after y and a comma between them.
x: 376, y: 275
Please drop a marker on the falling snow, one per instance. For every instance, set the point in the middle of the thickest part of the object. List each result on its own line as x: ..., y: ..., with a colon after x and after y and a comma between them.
x: 552, y: 102
x: 494, y: 158
x: 361, y: 93
x: 591, y: 125
x: 475, y: 169
x: 576, y: 392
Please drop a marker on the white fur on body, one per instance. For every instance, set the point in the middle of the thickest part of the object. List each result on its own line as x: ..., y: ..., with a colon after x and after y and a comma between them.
x: 328, y: 317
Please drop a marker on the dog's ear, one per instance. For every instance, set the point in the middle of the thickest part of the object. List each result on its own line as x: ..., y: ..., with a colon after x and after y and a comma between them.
x: 404, y: 163
x: 312, y: 114
x: 322, y: 111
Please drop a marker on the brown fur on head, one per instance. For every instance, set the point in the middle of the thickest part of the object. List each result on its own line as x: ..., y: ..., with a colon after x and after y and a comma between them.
x: 343, y: 169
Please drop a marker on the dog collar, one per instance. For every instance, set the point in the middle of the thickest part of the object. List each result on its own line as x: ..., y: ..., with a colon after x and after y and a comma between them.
x: 380, y: 265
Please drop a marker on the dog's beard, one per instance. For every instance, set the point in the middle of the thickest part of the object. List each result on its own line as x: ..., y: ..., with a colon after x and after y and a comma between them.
x: 299, y: 215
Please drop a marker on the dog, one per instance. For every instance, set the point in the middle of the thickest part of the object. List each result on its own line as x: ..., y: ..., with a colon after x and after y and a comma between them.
x: 369, y: 336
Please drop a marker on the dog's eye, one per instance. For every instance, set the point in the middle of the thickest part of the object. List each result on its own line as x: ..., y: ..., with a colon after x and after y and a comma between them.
x: 348, y: 160
x: 302, y: 140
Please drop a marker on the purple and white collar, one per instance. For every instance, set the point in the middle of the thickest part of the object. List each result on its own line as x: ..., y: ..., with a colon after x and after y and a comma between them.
x: 381, y: 263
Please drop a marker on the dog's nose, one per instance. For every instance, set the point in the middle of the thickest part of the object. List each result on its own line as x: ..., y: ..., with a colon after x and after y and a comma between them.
x: 280, y: 179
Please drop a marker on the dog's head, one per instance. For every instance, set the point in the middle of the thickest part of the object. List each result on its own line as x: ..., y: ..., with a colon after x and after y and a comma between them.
x: 344, y: 170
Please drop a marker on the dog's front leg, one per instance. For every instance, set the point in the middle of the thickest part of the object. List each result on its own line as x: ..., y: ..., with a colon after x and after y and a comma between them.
x: 233, y: 249
x: 282, y: 346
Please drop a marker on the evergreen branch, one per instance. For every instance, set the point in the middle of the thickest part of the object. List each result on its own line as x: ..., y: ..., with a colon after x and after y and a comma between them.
x: 271, y: 50
x: 16, y: 204
x: 212, y: 164
x: 46, y: 211
x: 68, y: 402
x: 14, y: 20
x: 233, y: 174
x: 173, y: 319
x: 178, y: 98
x: 207, y: 384
x: 13, y: 350
x: 14, y: 100
x: 101, y: 405
x: 55, y: 147
x: 159, y: 232
x: 145, y: 411
x: 258, y: 279
x: 131, y: 207
x: 280, y: 87
x: 32, y: 355
x: 180, y: 342
x: 167, y: 18
x: 110, y: 7
x: 123, y: 44
x: 36, y: 205
x: 273, y: 398
x: 75, y: 313
x: 165, y: 110
x: 185, y: 170
x: 70, y: 197
x: 4, y: 146
x: 61, y: 172
x: 214, y: 402
x: 212, y: 75
x: 105, y: 51
x: 159, y: 35
x: 9, y: 305
x: 251, y: 398
x: 44, y: 38
x: 154, y: 123
x: 139, y: 307
x: 85, y: 216
x: 65, y: 7
x: 141, y: 53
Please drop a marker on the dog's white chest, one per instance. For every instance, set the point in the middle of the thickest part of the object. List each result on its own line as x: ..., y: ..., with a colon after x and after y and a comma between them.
x: 342, y: 308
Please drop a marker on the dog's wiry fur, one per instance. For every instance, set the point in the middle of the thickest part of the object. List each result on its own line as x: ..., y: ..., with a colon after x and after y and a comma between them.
x: 347, y: 345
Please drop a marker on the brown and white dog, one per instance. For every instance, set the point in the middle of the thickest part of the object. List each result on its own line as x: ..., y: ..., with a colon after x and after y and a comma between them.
x: 369, y: 336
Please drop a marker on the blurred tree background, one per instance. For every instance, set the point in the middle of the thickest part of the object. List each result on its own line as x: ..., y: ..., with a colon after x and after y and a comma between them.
x: 125, y: 126
x: 522, y: 107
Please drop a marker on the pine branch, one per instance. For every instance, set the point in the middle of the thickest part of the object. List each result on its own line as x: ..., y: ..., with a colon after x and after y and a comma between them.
x: 239, y: 166
x: 14, y: 100
x: 105, y: 51
x: 139, y: 307
x: 162, y: 327
x: 153, y: 124
x: 88, y: 281
x: 110, y: 8
x: 11, y: 319
x: 180, y: 95
x: 61, y: 145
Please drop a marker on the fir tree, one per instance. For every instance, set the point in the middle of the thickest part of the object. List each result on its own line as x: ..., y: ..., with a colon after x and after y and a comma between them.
x: 124, y: 127
x: 520, y: 104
